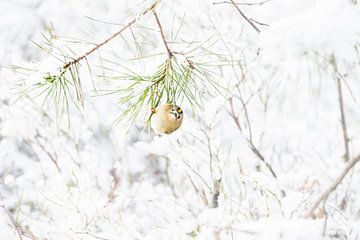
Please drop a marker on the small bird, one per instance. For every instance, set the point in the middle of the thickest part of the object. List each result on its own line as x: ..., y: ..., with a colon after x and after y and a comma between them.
x: 166, y: 118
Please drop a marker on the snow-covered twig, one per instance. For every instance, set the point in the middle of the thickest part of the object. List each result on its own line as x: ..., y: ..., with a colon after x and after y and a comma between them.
x: 323, y: 196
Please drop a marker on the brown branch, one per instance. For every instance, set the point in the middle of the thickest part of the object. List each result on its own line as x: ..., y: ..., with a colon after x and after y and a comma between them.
x: 51, y: 157
x: 261, y: 157
x: 260, y: 23
x: 323, y: 196
x: 343, y: 119
x: 232, y: 114
x: 99, y: 45
x: 244, y: 16
x: 339, y: 79
x: 187, y: 59
x: 163, y: 35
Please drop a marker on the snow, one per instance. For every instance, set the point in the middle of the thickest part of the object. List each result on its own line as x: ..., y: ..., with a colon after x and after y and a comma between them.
x: 86, y: 178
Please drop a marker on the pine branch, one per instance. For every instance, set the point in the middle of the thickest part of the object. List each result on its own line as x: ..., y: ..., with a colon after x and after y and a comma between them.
x: 99, y: 45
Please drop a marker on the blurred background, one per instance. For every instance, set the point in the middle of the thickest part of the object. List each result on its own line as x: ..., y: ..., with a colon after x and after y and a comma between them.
x: 278, y: 124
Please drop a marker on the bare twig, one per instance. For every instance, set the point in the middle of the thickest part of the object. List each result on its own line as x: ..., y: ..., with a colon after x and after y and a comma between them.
x: 261, y: 157
x: 215, y: 192
x: 260, y: 23
x: 343, y: 119
x: 232, y: 113
x: 163, y: 35
x: 99, y: 45
x: 14, y: 223
x: 339, y: 79
x: 197, y: 174
x: 323, y: 196
x: 52, y: 158
x: 244, y: 16
x: 211, y: 157
x: 249, y: 140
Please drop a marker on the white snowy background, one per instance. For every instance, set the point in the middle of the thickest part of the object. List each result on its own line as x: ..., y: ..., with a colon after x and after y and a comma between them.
x: 96, y: 180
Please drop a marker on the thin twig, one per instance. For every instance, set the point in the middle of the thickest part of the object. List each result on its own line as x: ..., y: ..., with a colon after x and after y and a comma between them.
x: 245, y: 17
x: 261, y: 157
x: 13, y: 221
x: 52, y: 158
x: 343, y: 119
x: 323, y: 196
x: 163, y: 35
x: 99, y: 45
x: 249, y: 140
x: 260, y: 23
x: 339, y: 79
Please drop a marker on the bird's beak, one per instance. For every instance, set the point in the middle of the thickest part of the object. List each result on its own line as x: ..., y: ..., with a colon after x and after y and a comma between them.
x: 175, y: 114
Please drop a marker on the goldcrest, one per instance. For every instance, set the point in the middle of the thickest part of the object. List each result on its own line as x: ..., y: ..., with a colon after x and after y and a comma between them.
x: 166, y: 118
